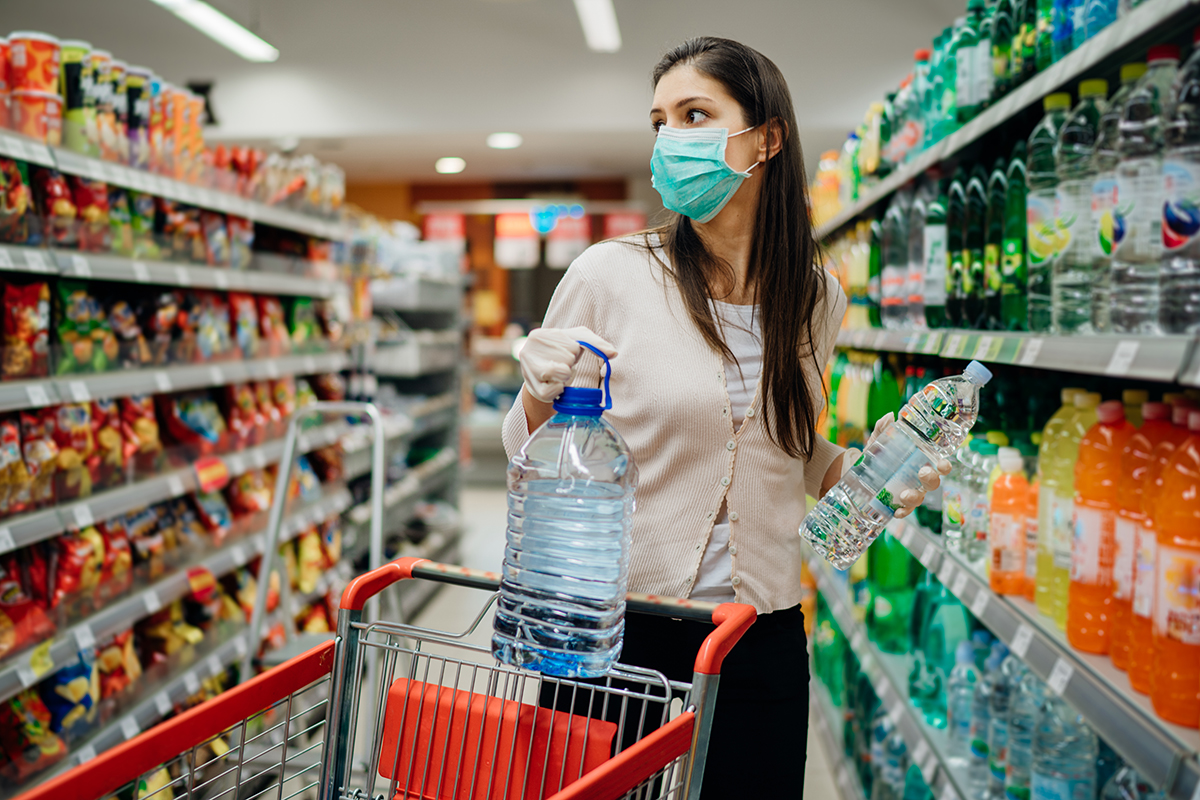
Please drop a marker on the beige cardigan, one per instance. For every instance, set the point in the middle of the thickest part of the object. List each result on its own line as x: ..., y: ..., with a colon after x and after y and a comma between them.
x: 671, y: 406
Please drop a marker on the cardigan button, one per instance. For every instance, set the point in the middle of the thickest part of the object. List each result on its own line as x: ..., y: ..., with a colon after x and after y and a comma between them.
x: 710, y: 515
x: 730, y: 444
x: 725, y: 481
x: 750, y: 412
x: 733, y: 516
x: 736, y: 581
x: 733, y: 549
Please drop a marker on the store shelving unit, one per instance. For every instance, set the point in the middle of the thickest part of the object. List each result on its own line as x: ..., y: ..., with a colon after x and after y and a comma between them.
x: 829, y: 726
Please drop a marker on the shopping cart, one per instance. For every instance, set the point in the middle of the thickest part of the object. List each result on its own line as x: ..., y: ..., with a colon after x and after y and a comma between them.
x: 444, y: 721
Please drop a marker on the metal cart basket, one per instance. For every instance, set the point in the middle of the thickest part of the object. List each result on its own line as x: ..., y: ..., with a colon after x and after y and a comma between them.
x: 442, y: 720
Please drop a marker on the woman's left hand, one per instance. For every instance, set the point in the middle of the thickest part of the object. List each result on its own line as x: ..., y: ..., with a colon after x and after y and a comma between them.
x: 929, y: 477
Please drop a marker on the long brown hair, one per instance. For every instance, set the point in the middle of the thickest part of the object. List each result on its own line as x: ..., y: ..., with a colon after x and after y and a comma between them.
x: 783, y: 268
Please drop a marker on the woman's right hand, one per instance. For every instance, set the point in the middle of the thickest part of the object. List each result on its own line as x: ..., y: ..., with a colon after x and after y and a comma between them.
x: 549, y: 356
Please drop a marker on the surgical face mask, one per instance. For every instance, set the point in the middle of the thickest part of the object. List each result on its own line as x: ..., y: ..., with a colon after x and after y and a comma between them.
x: 690, y: 172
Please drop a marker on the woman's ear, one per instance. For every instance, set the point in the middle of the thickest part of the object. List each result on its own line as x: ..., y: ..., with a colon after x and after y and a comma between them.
x: 777, y: 132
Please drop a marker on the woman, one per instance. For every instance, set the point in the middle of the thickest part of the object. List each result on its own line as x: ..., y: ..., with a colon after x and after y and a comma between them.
x: 719, y: 323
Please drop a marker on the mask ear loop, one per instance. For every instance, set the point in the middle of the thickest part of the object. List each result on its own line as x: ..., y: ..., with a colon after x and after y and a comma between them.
x: 607, y: 374
x: 756, y: 163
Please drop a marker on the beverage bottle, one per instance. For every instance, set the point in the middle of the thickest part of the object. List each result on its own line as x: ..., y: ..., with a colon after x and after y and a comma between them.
x: 1135, y: 462
x: 915, y: 787
x: 1062, y: 36
x: 1137, y: 220
x: 894, y: 274
x: 1023, y: 715
x: 1145, y: 582
x: 960, y: 699
x: 1133, y: 400
x: 1031, y: 540
x: 956, y: 218
x: 918, y: 115
x: 934, y: 242
x: 1064, y: 753
x: 1104, y: 197
x: 848, y: 171
x: 1013, y: 277
x: 973, y: 73
x: 974, y: 239
x: 1003, y: 30
x: 975, y: 524
x: 916, y: 257
x: 1044, y: 43
x: 566, y: 565
x: 929, y: 428
x: 1064, y: 530
x: 1098, y: 15
x: 1175, y: 678
x: 1024, y: 52
x: 984, y: 66
x: 875, y: 273
x: 880, y: 730
x: 978, y: 769
x: 1097, y: 474
x: 1044, y: 241
x: 1049, y: 474
x: 893, y: 769
x: 892, y: 580
x: 1006, y: 526
x: 1073, y: 275
x: 1005, y: 681
x: 934, y: 96
x: 945, y: 622
x: 955, y: 498
x: 1078, y: 12
x: 1180, y: 277
x: 1127, y: 784
x: 993, y: 246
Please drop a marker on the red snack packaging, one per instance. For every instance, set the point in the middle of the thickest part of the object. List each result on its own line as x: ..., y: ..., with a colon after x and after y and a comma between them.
x: 194, y: 422
x: 268, y: 409
x: 116, y: 572
x: 186, y: 347
x: 80, y: 560
x: 243, y: 314
x: 329, y: 386
x: 247, y: 426
x: 34, y: 61
x: 16, y: 201
x: 28, y: 744
x: 54, y: 203
x: 26, y: 331
x: 14, y: 478
x: 91, y: 204
x: 76, y: 443
x: 118, y: 664
x: 108, y: 461
x: 140, y: 434
x: 273, y: 327
x: 283, y: 394
x: 22, y: 620
x: 249, y: 493
x: 159, y: 315
x: 41, y: 454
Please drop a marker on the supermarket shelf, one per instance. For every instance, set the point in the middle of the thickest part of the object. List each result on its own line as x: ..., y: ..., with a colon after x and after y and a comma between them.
x: 1119, y: 40
x: 401, y: 498
x: 14, y: 145
x: 27, y: 529
x: 1163, y: 753
x: 440, y: 413
x: 122, y: 383
x: 163, y: 273
x: 414, y: 595
x: 416, y: 293
x: 28, y: 667
x: 1155, y: 358
x: 829, y: 729
x: 424, y: 353
x: 928, y: 748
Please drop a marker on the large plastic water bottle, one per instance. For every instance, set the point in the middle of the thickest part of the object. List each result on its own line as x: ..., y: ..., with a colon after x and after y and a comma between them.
x: 1023, y: 715
x: 1064, y: 753
x: 1004, y: 685
x: 916, y: 256
x: 960, y: 698
x: 1179, y: 311
x: 930, y: 427
x: 1045, y: 243
x: 566, y: 564
x: 894, y: 302
x: 978, y: 767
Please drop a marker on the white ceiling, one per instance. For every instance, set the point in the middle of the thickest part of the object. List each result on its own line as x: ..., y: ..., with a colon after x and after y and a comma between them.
x: 385, y: 87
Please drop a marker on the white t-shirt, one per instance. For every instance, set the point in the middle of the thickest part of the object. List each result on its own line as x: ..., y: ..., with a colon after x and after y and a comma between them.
x: 743, y: 335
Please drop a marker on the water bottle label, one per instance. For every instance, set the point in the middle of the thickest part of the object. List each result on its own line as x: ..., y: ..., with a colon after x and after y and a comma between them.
x: 1042, y: 234
x: 893, y: 286
x: 935, y: 265
x: 979, y: 745
x: 1137, y: 218
x: 916, y: 283
x: 981, y: 73
x: 1052, y: 787
x: 1181, y: 211
x: 1063, y: 531
x: 1092, y: 550
x: 1124, y: 559
x: 1143, y: 582
x: 1177, y: 612
x: 1104, y: 201
x: 1006, y: 535
x: 991, y: 268
x: 1071, y: 212
x: 1012, y: 267
x: 952, y: 514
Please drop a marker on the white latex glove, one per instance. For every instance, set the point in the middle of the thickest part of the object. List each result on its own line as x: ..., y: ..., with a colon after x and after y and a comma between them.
x: 929, y: 477
x: 549, y: 356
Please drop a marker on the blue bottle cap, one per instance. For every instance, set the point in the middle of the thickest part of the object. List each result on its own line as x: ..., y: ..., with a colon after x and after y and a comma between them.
x: 977, y: 373
x: 585, y: 402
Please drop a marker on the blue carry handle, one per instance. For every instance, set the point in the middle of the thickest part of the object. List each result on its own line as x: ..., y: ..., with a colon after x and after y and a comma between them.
x: 607, y: 373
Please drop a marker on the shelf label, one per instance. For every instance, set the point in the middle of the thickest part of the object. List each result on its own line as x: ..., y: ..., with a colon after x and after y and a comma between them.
x: 153, y: 603
x: 952, y: 345
x: 239, y: 555
x: 16, y: 148
x: 83, y: 516
x: 988, y: 348
x: 36, y: 261
x: 912, y: 343
x: 216, y: 375
x: 1060, y: 676
x: 880, y: 341
x: 5, y: 258
x: 214, y: 665
x: 960, y: 584
x: 933, y: 343
x: 6, y: 540
x: 129, y: 727
x: 239, y: 646
x: 162, y: 380
x: 141, y: 273
x: 81, y: 266
x: 946, y: 571
x: 175, y: 485
x: 1122, y: 357
x: 191, y: 683
x: 163, y: 704
x: 979, y: 604
x: 272, y: 370
x: 79, y: 392
x: 857, y: 640
x: 85, y: 754
x: 310, y: 364
x: 37, y: 395
x: 27, y: 676
x: 84, y: 638
x: 929, y: 555
x: 182, y: 276
x: 236, y: 464
x: 1021, y: 640
x: 222, y: 279
x: 1030, y: 351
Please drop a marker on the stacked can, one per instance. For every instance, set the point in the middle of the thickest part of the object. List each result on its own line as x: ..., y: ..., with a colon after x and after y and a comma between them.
x: 34, y: 64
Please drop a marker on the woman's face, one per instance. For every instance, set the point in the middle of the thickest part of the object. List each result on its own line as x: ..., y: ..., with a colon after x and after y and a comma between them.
x: 687, y: 98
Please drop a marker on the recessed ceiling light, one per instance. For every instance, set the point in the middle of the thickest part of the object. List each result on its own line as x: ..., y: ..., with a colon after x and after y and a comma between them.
x: 220, y: 28
x: 599, y: 21
x: 450, y: 165
x: 504, y: 141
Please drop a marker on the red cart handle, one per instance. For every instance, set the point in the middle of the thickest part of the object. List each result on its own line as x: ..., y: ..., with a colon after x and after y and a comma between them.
x: 369, y: 584
x: 732, y: 620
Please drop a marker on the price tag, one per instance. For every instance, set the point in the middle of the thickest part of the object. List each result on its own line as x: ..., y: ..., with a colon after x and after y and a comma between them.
x: 1021, y: 640
x: 272, y: 370
x: 921, y: 753
x: 907, y: 537
x: 191, y: 683
x: 162, y: 380
x: 37, y: 395
x: 153, y: 603
x: 1030, y: 351
x: 952, y: 345
x: 933, y: 344
x: 222, y: 279
x: 129, y: 727
x: 259, y: 458
x: 81, y: 266
x: 983, y: 348
x: 85, y: 754
x: 79, y: 392
x: 175, y: 485
x: 35, y: 261
x: 239, y: 555
x: 217, y: 376
x: 5, y: 258
x: 163, y: 704
x: 6, y: 540
x: 912, y: 343
x: 310, y: 364
x: 960, y: 584
x: 979, y: 604
x: 239, y: 645
x: 84, y: 638
x: 236, y: 465
x: 27, y: 676
x: 929, y: 555
x: 1060, y: 676
x: 182, y: 276
x: 857, y: 640
x: 881, y: 340
x: 1122, y: 357
x: 141, y: 273
x: 214, y: 665
x: 946, y: 572
x: 83, y: 515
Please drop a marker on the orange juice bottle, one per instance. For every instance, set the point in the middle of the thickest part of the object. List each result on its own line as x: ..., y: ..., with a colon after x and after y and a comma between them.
x: 1135, y: 462
x: 1097, y: 473
x: 1031, y: 538
x: 1006, y: 524
x: 1141, y: 648
x: 1175, y: 677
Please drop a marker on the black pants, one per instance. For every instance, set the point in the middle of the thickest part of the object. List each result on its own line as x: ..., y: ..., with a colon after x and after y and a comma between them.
x: 760, y: 727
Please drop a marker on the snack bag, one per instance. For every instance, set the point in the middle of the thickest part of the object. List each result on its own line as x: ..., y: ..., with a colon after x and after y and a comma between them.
x: 120, y: 221
x: 142, y: 221
x: 310, y: 561
x: 16, y: 205
x: 14, y: 478
x: 327, y: 462
x: 108, y: 462
x: 249, y: 493
x: 194, y: 421
x: 329, y: 386
x: 268, y: 409
x: 22, y: 620
x: 91, y: 204
x: 26, y: 331
x: 118, y: 664
x: 314, y: 619
x: 57, y: 209
x: 76, y: 443
x: 159, y: 316
x: 212, y: 327
x: 185, y: 349
x: 241, y: 241
x: 139, y: 430
x: 72, y: 696
x: 331, y: 540
x: 213, y: 513
x: 303, y: 326
x: 85, y: 339
x: 179, y: 228
x: 80, y: 561
x: 283, y: 395
x: 244, y: 313
x: 41, y: 454
x: 304, y: 393
x: 334, y: 313
x: 189, y: 530
x: 116, y: 573
x: 149, y: 547
x: 247, y: 426
x: 272, y: 327
x: 26, y: 741
x: 303, y: 476
x: 133, y: 351
x: 216, y: 238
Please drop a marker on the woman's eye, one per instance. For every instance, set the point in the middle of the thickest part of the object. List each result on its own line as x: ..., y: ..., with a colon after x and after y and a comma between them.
x: 654, y: 126
x: 695, y: 116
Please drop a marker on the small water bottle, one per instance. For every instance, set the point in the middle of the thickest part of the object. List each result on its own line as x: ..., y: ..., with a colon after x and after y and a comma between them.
x: 561, y: 610
x: 931, y: 426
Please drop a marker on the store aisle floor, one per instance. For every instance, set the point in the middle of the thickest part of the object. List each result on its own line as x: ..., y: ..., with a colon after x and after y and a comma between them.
x: 482, y: 547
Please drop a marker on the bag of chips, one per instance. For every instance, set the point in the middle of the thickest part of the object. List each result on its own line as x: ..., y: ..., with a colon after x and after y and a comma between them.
x: 41, y: 454
x: 133, y: 349
x: 212, y: 327
x: 27, y: 744
x: 85, y: 339
x: 52, y: 197
x: 272, y: 327
x: 22, y: 621
x: 72, y: 696
x: 16, y: 205
x: 142, y: 220
x: 241, y: 242
x: 194, y: 422
x: 276, y: 425
x: 249, y: 493
x: 91, y: 204
x: 108, y: 462
x: 14, y: 478
x: 116, y: 573
x: 283, y: 395
x: 139, y: 430
x: 244, y: 315
x: 76, y: 441
x: 216, y: 238
x: 26, y: 330
x: 120, y: 221
x: 80, y: 561
x: 118, y: 664
x: 303, y: 327
x: 159, y: 318
x: 247, y: 426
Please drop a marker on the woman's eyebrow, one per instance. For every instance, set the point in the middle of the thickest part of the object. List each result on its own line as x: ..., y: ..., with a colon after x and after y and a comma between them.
x: 684, y: 102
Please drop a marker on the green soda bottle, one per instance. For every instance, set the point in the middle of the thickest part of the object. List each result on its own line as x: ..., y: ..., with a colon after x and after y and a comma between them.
x: 956, y: 212
x: 875, y: 275
x: 1044, y: 38
x: 1003, y: 27
x: 974, y: 236
x: 948, y: 122
x: 892, y: 577
x: 993, y: 245
x: 934, y: 246
x: 1013, y: 278
x: 968, y: 64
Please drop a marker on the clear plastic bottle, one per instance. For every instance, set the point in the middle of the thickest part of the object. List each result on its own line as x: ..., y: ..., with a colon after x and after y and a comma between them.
x: 1063, y: 535
x: 956, y: 499
x: 1051, y: 515
x: 880, y: 731
x: 978, y: 769
x: 1137, y: 221
x: 1073, y: 278
x: 1063, y: 35
x: 916, y: 256
x: 1014, y: 279
x: 1127, y: 784
x: 1004, y: 685
x: 960, y: 699
x: 1064, y: 753
x: 973, y: 74
x: 1003, y: 29
x: 930, y: 427
x: 1180, y: 277
x: 975, y: 527
x: 1104, y: 197
x: 566, y: 564
x: 1023, y: 715
x: 936, y: 260
x: 894, y: 275
x: 1044, y: 242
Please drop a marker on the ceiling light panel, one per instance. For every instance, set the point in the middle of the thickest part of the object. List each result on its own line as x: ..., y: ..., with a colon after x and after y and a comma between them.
x: 504, y: 141
x: 450, y: 165
x: 599, y: 21
x: 221, y: 29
